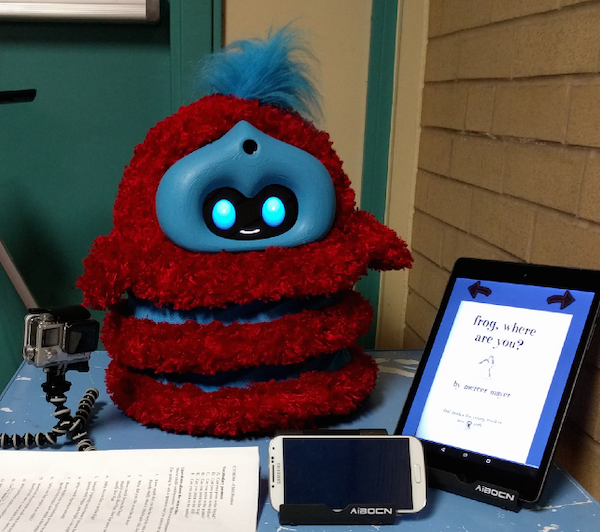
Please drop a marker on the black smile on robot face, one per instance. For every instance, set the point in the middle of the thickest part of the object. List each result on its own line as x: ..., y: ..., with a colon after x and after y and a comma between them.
x: 230, y: 214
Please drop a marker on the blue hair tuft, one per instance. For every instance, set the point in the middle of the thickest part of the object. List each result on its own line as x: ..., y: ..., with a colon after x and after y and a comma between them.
x: 265, y: 70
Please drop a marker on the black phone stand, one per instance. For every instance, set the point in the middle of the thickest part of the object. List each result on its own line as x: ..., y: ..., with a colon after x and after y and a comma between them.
x: 477, y: 490
x: 320, y: 514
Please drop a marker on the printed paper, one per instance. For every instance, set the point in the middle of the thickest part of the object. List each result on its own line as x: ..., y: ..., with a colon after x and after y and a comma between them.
x: 133, y: 490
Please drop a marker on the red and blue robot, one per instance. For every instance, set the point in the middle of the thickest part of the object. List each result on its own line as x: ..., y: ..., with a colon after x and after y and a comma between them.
x: 228, y: 275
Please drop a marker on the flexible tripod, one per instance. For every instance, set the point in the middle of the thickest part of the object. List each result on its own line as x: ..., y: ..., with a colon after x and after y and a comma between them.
x: 75, y: 427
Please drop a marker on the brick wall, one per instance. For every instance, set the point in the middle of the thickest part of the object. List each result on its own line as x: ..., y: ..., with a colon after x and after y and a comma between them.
x: 509, y: 162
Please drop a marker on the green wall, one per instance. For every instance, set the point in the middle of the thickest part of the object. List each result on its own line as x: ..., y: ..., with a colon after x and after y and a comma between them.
x: 12, y: 312
x: 100, y: 87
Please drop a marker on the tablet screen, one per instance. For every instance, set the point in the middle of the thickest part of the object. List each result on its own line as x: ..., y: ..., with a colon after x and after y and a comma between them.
x: 499, y: 368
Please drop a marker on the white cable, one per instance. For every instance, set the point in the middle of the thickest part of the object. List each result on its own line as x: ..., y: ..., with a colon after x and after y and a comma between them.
x: 15, y: 278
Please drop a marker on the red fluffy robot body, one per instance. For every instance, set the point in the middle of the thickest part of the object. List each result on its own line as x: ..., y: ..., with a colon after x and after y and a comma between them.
x: 228, y: 274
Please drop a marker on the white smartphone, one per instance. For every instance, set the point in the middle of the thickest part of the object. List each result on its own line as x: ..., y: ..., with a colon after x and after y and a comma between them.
x: 339, y: 471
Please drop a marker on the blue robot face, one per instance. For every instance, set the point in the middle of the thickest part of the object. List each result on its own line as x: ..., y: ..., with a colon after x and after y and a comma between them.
x: 245, y: 191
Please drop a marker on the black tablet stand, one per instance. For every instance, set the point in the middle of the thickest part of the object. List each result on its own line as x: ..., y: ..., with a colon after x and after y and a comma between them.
x: 477, y: 490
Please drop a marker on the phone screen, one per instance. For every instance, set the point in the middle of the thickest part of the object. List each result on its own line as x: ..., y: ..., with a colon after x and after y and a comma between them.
x: 339, y: 471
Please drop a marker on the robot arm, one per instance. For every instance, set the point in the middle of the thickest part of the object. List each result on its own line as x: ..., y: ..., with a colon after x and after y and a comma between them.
x: 105, y: 279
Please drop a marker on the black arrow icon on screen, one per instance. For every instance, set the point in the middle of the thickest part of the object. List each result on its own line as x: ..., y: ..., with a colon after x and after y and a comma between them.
x: 565, y: 300
x: 476, y: 288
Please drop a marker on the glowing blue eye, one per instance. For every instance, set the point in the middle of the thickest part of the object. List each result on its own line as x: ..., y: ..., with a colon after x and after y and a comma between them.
x: 273, y: 211
x: 223, y: 214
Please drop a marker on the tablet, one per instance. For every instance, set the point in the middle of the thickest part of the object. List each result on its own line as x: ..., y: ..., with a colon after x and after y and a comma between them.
x: 492, y: 388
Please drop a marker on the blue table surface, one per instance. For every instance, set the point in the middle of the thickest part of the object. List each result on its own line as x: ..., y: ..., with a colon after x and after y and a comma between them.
x: 564, y: 506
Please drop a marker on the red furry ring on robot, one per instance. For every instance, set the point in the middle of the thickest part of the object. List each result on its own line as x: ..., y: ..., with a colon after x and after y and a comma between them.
x: 228, y: 275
